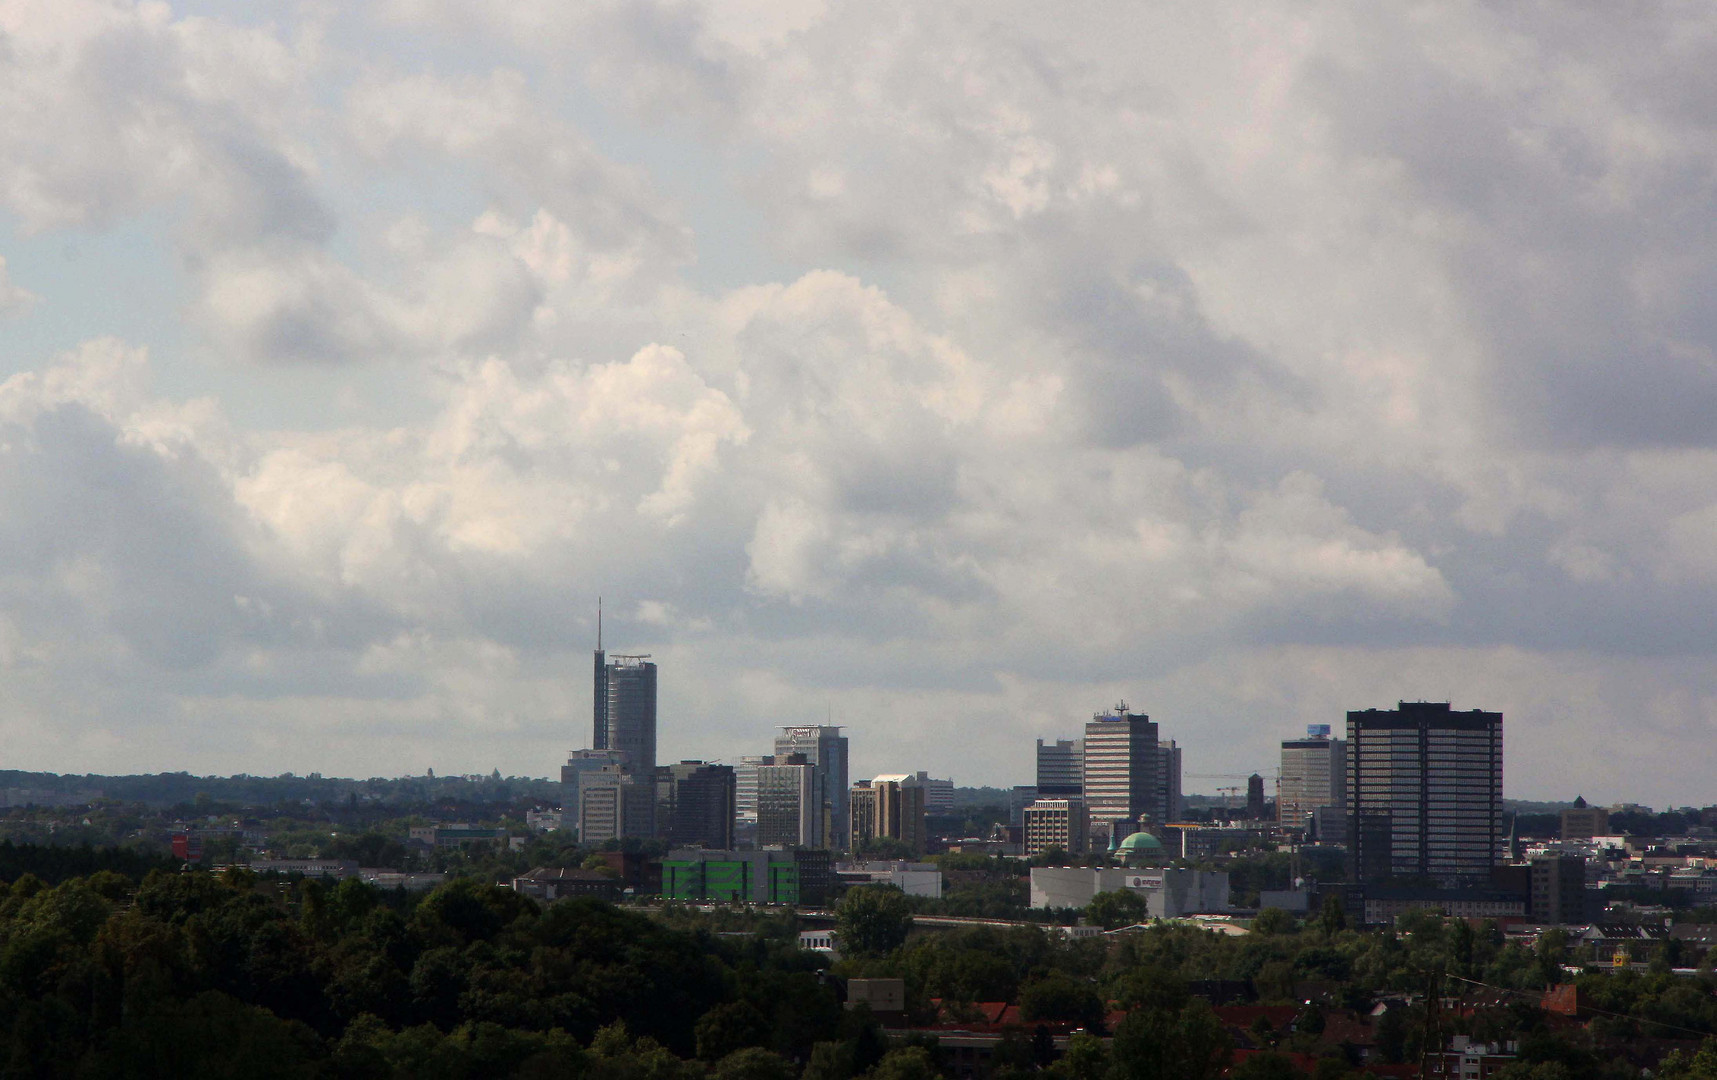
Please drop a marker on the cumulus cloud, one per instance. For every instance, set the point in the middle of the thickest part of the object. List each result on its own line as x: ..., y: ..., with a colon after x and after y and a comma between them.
x: 1251, y: 366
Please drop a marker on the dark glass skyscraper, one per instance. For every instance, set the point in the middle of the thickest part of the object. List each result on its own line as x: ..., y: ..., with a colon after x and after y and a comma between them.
x: 1424, y: 789
x: 630, y: 712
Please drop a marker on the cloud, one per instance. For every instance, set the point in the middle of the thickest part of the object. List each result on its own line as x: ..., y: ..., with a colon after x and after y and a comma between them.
x: 1251, y: 366
x: 13, y: 298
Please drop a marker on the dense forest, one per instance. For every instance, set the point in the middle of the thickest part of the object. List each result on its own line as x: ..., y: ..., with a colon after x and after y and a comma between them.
x: 121, y: 969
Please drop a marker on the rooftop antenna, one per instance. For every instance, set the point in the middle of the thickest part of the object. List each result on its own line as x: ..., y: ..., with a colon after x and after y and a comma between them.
x: 599, y: 624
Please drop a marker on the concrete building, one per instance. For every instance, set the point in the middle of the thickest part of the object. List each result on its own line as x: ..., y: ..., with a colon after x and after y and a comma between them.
x: 551, y: 883
x: 1583, y: 822
x: 1313, y: 776
x: 1558, y: 889
x: 695, y: 804
x: 913, y: 879
x: 1122, y: 775
x: 578, y: 764
x: 898, y: 808
x: 938, y: 794
x: 861, y: 814
x: 615, y: 803
x: 1056, y: 823
x: 1196, y: 842
x: 1435, y: 777
x: 1168, y: 758
x: 1169, y: 893
x: 1061, y: 768
x: 745, y: 787
x: 825, y: 748
x: 792, y: 807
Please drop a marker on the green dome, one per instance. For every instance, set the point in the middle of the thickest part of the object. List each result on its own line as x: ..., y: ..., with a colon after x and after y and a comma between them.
x: 1142, y: 841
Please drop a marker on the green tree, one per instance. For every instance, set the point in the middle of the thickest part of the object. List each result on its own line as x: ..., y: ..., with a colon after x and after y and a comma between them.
x: 1117, y: 908
x: 1272, y: 921
x: 1060, y: 998
x: 1332, y: 919
x: 1269, y: 1065
x: 1154, y: 1044
x: 752, y: 1063
x: 729, y: 1028
x: 1086, y: 1058
x: 873, y: 920
x: 906, y: 1063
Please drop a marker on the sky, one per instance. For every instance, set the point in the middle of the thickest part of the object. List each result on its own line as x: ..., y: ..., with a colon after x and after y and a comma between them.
x: 950, y: 372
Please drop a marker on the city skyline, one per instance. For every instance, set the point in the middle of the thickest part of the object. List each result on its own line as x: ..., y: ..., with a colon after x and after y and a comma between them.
x: 955, y: 368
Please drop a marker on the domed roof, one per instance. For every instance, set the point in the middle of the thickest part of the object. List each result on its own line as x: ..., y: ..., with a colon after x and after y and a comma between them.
x: 1141, y: 841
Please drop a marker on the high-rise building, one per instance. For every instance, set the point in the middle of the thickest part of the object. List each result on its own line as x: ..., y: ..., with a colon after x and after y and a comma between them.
x: 1123, y: 768
x: 1434, y: 776
x: 792, y: 805
x: 631, y: 711
x: 1255, y: 797
x: 1168, y: 761
x: 745, y: 787
x: 1060, y: 768
x: 1056, y: 823
x: 580, y: 763
x: 614, y: 802
x: 695, y: 804
x: 825, y: 748
x: 861, y: 814
x: 1314, y: 775
x: 1558, y: 889
x: 899, y: 803
x: 599, y: 707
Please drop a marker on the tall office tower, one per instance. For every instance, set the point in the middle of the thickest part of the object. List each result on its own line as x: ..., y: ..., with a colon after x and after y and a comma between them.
x: 613, y: 803
x: 745, y: 787
x: 580, y: 763
x: 599, y: 710
x: 1123, y: 771
x: 861, y: 814
x: 1430, y: 779
x: 900, y: 808
x: 825, y: 748
x: 1168, y: 757
x: 1314, y: 775
x: 631, y: 712
x: 695, y: 804
x: 1056, y: 823
x: 792, y: 804
x: 1060, y: 768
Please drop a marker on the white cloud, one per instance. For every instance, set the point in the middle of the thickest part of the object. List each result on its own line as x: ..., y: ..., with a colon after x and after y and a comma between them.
x: 1263, y: 364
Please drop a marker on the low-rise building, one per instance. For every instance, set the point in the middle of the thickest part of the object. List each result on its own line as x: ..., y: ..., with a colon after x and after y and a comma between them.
x: 1385, y: 904
x: 914, y: 879
x: 543, y: 820
x: 456, y: 835
x: 799, y: 876
x: 400, y: 879
x: 330, y: 868
x: 1169, y: 893
x: 826, y: 942
x: 553, y: 882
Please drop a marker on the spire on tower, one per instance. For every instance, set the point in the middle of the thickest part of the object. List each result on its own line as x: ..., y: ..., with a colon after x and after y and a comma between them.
x: 599, y: 624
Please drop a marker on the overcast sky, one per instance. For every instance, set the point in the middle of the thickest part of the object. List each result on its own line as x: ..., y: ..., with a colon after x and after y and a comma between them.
x: 953, y: 370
